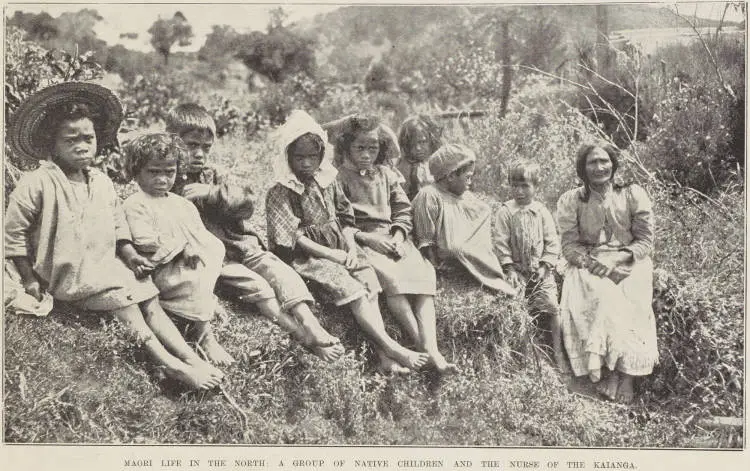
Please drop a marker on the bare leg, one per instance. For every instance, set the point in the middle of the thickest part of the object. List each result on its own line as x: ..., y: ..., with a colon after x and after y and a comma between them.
x: 195, y: 374
x: 207, y: 340
x: 315, y: 333
x: 557, y: 342
x: 424, y: 307
x: 168, y: 334
x: 368, y: 317
x: 388, y: 365
x: 270, y: 309
x: 401, y: 310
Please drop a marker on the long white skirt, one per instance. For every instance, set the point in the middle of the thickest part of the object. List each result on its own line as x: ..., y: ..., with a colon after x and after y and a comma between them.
x: 608, y: 324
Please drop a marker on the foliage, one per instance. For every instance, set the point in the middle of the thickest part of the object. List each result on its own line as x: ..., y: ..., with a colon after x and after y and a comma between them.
x: 279, y: 53
x: 28, y: 68
x: 71, y: 31
x: 165, y: 33
x: 221, y: 44
x: 692, y: 141
x: 379, y: 78
x: 147, y: 98
x: 699, y: 303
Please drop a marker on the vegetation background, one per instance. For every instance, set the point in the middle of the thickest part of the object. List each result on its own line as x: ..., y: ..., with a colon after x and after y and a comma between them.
x: 545, y: 79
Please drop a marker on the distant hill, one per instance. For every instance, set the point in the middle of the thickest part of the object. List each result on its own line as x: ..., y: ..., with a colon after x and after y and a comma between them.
x: 359, y: 23
x: 351, y: 37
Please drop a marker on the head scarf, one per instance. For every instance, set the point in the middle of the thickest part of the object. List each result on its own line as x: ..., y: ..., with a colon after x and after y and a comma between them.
x: 449, y: 158
x: 298, y: 124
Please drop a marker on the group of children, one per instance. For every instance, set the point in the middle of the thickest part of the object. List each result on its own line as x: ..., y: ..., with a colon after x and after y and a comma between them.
x: 345, y: 217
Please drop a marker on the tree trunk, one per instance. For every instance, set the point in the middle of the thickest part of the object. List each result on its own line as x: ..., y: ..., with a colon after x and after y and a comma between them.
x: 507, y: 70
x: 602, y: 39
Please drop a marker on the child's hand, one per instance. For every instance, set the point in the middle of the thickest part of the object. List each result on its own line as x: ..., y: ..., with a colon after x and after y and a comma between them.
x: 33, y: 288
x: 139, y: 265
x: 191, y: 257
x: 380, y: 244
x: 342, y: 257
x: 196, y: 191
x: 352, y: 261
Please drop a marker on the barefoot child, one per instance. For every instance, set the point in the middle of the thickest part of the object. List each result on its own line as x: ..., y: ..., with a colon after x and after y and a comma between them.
x: 310, y: 224
x: 528, y: 247
x: 418, y: 137
x: 168, y: 231
x: 255, y: 274
x: 451, y: 223
x: 382, y: 214
x: 65, y: 229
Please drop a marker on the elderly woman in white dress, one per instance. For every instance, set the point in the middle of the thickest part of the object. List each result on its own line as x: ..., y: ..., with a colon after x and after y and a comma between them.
x: 607, y: 238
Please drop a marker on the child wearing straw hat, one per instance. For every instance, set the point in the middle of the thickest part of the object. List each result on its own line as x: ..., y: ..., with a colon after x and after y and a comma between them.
x: 65, y: 229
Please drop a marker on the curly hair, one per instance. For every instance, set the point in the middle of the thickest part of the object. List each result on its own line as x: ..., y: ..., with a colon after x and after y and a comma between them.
x: 71, y: 111
x: 351, y: 128
x: 190, y: 117
x: 410, y: 129
x: 155, y: 146
x: 582, y: 155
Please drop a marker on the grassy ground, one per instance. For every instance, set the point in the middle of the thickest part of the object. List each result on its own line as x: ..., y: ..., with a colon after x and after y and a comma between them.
x: 75, y: 377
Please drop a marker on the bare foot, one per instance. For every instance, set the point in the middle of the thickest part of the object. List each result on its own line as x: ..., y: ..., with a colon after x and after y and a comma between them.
x: 441, y: 364
x: 330, y: 353
x: 316, y: 336
x: 204, y: 365
x: 221, y: 314
x: 388, y: 366
x: 625, y: 394
x: 409, y: 358
x: 214, y: 351
x: 195, y: 376
x: 609, y: 387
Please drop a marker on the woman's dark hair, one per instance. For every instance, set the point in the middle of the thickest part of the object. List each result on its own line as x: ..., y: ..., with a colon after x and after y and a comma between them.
x: 582, y: 155
x: 415, y: 124
x: 57, y: 115
x: 307, y: 137
x: 349, y: 132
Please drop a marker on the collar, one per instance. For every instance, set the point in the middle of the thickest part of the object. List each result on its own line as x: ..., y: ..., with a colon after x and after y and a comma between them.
x: 534, y: 207
x: 367, y: 172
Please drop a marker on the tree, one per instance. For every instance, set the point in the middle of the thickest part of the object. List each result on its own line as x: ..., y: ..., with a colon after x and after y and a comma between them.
x: 221, y: 43
x: 165, y: 33
x: 39, y: 27
x: 279, y: 53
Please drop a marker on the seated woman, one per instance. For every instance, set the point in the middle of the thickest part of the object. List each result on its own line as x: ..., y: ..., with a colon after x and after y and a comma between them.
x: 605, y: 312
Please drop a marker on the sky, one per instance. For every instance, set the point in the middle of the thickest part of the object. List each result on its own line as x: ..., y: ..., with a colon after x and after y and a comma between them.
x: 138, y: 17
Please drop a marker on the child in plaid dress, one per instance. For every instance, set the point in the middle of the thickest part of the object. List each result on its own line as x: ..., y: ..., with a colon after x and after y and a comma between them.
x: 311, y: 225
x: 250, y: 271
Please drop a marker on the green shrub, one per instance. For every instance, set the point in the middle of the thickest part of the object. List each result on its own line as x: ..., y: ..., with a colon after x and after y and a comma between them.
x: 692, y: 142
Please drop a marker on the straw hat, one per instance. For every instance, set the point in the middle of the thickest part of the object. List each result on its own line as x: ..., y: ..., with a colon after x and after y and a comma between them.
x: 24, y: 133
